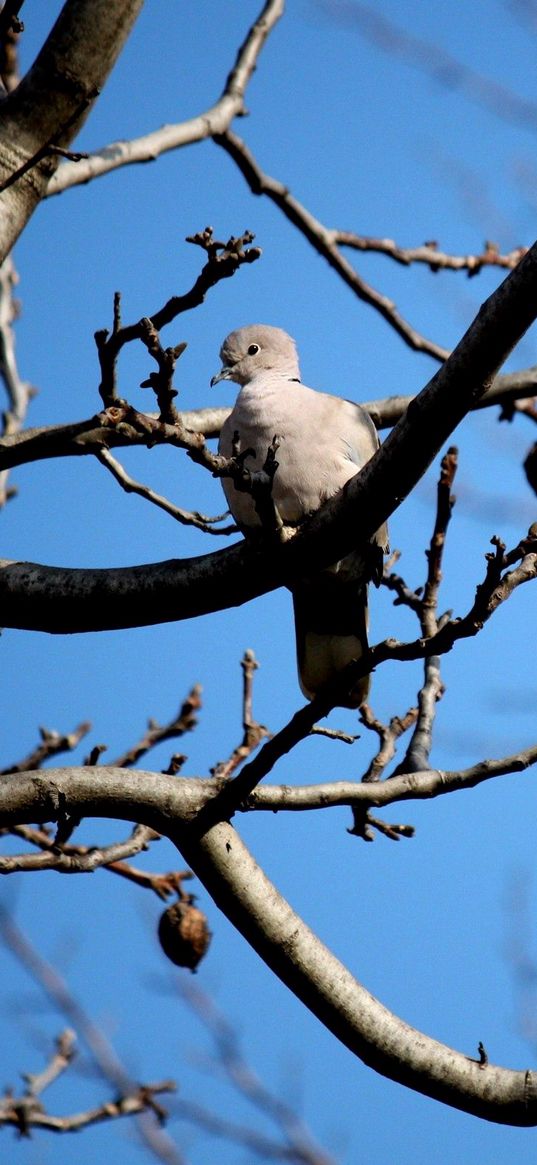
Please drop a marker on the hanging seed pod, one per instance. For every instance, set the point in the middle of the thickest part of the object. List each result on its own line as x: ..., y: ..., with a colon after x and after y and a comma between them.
x: 183, y: 934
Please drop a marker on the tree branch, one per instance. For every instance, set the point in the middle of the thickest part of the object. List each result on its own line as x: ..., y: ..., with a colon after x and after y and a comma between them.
x: 185, y: 517
x: 109, y: 1066
x: 52, y: 599
x: 421, y: 786
x: 429, y: 255
x: 245, y: 895
x: 86, y: 437
x: 51, y: 102
x: 324, y: 241
x: 52, y: 744
x: 173, y: 137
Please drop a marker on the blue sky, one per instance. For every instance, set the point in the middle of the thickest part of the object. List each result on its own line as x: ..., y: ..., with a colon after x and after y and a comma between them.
x: 368, y: 142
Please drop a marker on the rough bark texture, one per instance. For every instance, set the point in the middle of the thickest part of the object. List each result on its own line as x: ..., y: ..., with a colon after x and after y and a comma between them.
x: 52, y: 100
x: 252, y: 903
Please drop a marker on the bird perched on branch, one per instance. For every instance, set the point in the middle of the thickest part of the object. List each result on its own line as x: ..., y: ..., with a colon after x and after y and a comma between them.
x: 322, y: 442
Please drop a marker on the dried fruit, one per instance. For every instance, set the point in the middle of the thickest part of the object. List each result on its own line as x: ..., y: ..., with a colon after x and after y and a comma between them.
x: 184, y: 934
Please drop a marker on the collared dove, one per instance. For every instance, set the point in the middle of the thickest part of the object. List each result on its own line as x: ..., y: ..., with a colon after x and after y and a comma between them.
x: 323, y: 441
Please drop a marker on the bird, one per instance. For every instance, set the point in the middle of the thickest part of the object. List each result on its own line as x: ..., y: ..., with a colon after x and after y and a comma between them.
x: 322, y: 441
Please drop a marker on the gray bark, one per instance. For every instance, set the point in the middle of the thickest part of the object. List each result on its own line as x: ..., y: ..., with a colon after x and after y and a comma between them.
x: 52, y: 101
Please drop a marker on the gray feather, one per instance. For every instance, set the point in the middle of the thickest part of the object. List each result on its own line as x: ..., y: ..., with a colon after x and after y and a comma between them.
x: 324, y: 441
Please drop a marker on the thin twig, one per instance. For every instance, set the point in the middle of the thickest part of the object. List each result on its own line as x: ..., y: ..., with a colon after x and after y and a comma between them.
x: 498, y: 585
x: 52, y: 744
x: 224, y: 259
x: 185, y: 517
x: 429, y: 255
x: 104, y: 1056
x: 185, y: 721
x: 324, y: 242
x: 26, y: 1112
x: 253, y: 732
x: 74, y: 859
x: 419, y: 748
x: 388, y: 735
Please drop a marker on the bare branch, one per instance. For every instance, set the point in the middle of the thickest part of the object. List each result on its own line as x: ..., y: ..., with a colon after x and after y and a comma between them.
x: 395, y: 582
x: 138, y: 1100
x: 444, y: 507
x: 52, y: 744
x: 429, y: 254
x: 163, y: 885
x: 58, y: 600
x: 65, y: 1051
x: 162, y: 381
x: 18, y: 391
x: 423, y: 785
x: 76, y: 859
x: 334, y: 734
x: 224, y: 259
x: 498, y: 585
x: 253, y: 732
x: 185, y: 517
x: 185, y: 721
x: 26, y: 1112
x: 84, y: 437
x: 432, y: 690
x: 243, y: 892
x: 388, y: 735
x: 173, y: 137
x: 324, y: 242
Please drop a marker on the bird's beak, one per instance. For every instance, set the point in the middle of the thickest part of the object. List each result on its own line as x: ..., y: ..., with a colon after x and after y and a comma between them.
x: 226, y: 373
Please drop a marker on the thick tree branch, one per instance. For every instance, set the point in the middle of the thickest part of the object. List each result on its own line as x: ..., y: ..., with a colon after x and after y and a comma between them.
x: 52, y: 599
x: 49, y: 105
x: 242, y: 891
x: 172, y: 137
x: 81, y: 438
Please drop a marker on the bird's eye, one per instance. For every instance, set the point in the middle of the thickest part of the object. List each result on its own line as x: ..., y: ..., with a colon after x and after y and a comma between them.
x: 253, y: 349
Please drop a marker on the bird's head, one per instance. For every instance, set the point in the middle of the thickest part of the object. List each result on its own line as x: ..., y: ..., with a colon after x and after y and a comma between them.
x: 256, y: 349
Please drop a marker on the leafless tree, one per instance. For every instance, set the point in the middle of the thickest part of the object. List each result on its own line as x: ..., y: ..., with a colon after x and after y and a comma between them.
x: 39, y: 120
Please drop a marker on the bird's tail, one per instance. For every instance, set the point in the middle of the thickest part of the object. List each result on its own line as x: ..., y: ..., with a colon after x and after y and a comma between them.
x: 331, y: 631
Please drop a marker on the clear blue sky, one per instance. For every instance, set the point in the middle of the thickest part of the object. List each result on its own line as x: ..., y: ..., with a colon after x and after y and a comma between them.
x: 369, y: 142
